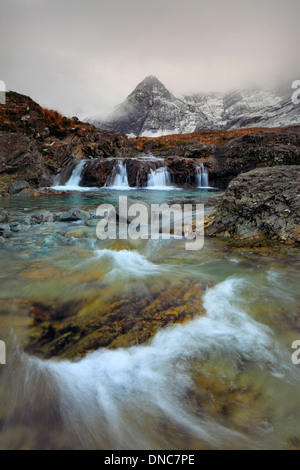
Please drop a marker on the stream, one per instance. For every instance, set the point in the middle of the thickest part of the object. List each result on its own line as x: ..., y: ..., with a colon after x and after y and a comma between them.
x: 163, y: 348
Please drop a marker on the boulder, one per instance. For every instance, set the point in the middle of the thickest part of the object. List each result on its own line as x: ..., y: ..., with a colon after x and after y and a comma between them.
x: 17, y: 187
x: 263, y: 204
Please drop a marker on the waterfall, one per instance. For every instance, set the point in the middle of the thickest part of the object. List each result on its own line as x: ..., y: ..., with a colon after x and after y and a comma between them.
x: 201, y: 177
x: 159, y: 179
x: 75, y: 178
x: 73, y: 183
x: 118, y: 179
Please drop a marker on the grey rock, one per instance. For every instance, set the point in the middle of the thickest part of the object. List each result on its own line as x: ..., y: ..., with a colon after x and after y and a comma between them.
x: 75, y: 214
x: 4, y: 217
x: 17, y: 186
x: 249, y: 210
x: 4, y: 227
x: 15, y: 226
x: 48, y: 241
x: 41, y: 217
x: 7, y: 233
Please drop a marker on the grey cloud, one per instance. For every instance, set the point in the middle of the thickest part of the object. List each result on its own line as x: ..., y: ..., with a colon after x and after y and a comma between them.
x: 85, y: 57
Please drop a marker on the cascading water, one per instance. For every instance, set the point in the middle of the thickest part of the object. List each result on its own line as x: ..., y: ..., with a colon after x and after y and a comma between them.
x: 159, y: 179
x: 118, y: 179
x: 76, y: 175
x: 73, y: 183
x: 201, y: 177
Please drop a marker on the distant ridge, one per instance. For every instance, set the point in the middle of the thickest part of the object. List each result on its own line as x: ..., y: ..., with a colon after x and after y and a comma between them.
x: 151, y: 110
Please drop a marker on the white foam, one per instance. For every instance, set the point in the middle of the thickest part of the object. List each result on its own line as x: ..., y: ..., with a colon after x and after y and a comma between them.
x: 127, y: 263
x: 72, y: 188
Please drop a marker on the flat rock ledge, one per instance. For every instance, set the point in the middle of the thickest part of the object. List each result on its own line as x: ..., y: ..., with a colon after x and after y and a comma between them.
x: 261, y: 205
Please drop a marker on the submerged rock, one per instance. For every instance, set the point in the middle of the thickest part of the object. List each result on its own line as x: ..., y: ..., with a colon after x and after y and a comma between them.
x: 263, y: 204
x: 76, y: 327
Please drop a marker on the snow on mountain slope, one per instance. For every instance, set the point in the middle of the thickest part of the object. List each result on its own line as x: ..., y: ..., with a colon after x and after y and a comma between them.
x: 152, y: 111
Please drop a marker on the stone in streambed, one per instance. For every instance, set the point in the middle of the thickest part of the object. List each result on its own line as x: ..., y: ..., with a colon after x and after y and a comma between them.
x: 15, y: 226
x: 4, y: 227
x: 7, y: 233
x: 4, y: 217
x: 41, y: 217
x: 48, y: 242
x: 75, y: 214
x: 80, y: 232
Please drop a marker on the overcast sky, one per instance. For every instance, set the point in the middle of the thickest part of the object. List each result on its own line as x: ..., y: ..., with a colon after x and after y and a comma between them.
x: 85, y: 56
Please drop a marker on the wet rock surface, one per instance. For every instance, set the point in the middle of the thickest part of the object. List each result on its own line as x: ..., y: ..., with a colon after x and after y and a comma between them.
x: 99, y: 172
x: 76, y: 328
x: 263, y: 204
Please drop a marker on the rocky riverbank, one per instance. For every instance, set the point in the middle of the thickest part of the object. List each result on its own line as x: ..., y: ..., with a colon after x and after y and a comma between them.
x: 226, y: 154
x: 37, y: 143
x: 262, y: 204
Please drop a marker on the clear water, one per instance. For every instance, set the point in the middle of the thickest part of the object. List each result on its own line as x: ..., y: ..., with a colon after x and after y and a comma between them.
x: 223, y: 379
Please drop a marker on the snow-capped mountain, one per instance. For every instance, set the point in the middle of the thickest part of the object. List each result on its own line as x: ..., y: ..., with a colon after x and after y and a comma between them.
x: 151, y: 111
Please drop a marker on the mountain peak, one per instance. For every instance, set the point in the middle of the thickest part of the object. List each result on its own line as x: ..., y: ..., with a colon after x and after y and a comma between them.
x: 149, y: 88
x: 151, y: 80
x: 150, y: 83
